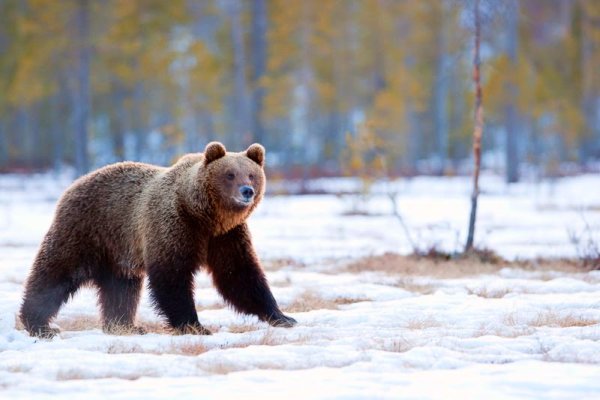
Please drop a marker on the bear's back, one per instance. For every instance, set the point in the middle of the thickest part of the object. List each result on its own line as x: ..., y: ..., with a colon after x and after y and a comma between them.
x: 100, y: 210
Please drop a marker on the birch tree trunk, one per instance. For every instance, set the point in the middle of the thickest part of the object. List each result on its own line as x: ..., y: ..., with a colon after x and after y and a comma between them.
x: 478, y: 131
x: 511, y: 115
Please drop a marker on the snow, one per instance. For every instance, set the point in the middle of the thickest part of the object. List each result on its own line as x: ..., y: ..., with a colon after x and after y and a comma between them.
x: 510, y: 333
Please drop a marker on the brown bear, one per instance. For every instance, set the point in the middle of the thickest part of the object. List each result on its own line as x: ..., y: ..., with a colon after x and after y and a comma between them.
x: 127, y: 220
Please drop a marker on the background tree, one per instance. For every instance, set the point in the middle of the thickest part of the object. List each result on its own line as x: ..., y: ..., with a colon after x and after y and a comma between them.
x: 478, y: 129
x: 301, y: 77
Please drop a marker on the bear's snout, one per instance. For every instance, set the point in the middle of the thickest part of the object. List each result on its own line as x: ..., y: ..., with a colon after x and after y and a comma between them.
x: 247, y: 192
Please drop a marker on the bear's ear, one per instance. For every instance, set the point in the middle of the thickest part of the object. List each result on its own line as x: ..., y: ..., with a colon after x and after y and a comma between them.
x: 213, y: 151
x: 256, y: 153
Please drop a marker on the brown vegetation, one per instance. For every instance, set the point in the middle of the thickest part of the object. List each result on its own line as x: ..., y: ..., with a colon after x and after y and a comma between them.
x: 279, y: 263
x: 310, y: 300
x: 441, y: 267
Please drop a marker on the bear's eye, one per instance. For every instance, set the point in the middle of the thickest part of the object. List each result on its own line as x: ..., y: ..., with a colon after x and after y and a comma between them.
x: 251, y: 177
x: 230, y: 176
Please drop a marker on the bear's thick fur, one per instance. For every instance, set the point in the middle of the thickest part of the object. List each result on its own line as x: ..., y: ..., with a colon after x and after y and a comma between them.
x: 127, y: 220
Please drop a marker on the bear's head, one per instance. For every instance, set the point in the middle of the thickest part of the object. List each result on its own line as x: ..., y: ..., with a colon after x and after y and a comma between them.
x: 236, y: 180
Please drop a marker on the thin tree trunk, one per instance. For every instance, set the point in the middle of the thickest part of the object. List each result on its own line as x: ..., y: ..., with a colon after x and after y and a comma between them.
x: 240, y: 95
x: 303, y: 99
x: 22, y: 130
x: 117, y: 126
x: 590, y: 142
x: 3, y: 145
x: 511, y: 116
x: 82, y: 96
x: 137, y: 119
x: 259, y: 61
x: 478, y: 131
x: 440, y: 95
x: 57, y: 130
x: 379, y: 77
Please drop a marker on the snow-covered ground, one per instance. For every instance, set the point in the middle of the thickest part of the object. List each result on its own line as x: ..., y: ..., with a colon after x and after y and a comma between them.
x: 399, y: 328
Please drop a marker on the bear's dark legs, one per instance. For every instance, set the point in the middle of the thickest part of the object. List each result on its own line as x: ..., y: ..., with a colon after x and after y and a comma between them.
x: 172, y: 291
x: 118, y: 299
x: 45, y: 293
x: 239, y: 278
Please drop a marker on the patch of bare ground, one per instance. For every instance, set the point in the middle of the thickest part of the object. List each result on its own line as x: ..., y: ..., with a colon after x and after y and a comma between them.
x: 449, y: 267
x: 310, y: 300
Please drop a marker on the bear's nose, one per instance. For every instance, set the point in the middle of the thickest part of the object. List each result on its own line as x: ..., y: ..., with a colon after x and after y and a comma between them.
x: 247, y: 192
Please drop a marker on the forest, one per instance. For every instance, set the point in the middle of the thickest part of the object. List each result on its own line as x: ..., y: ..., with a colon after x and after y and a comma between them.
x: 335, y: 87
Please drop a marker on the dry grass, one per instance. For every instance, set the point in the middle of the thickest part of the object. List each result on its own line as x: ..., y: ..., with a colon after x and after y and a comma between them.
x: 279, y: 263
x: 310, y: 300
x: 395, y: 264
x: 488, y: 293
x: 552, y: 319
x: 423, y: 323
x: 220, y: 368
x: 78, y: 323
x: 243, y: 328
x: 154, y: 327
x: 18, y: 369
x: 88, y: 322
x: 191, y: 347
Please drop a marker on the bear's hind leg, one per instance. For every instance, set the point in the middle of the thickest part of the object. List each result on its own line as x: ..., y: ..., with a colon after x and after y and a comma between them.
x: 45, y: 293
x: 118, y: 299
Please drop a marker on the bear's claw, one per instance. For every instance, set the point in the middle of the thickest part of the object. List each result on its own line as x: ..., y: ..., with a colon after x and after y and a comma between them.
x: 282, y: 321
x: 45, y: 332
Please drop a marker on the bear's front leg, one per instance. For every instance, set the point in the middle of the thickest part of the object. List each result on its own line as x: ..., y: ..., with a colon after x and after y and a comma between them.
x: 239, y: 278
x: 172, y: 291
